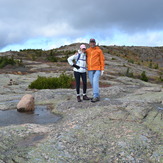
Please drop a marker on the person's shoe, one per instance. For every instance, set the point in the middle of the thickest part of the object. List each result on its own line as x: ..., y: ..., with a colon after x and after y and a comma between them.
x: 85, y: 97
x: 95, y: 99
x: 79, y: 99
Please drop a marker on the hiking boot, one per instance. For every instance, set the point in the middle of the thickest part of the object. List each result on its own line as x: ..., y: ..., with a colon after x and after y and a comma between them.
x: 79, y: 99
x: 95, y: 99
x: 85, y: 97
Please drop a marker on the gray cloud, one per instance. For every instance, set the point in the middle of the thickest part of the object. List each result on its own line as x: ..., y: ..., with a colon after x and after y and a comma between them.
x: 21, y: 20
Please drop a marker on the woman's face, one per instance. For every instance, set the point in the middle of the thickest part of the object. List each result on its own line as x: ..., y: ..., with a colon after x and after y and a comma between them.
x: 83, y: 50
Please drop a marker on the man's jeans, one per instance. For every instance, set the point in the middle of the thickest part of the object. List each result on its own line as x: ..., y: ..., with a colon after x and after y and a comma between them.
x: 94, y: 77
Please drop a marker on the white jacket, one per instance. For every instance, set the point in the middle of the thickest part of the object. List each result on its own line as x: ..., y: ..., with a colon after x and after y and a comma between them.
x: 81, y: 61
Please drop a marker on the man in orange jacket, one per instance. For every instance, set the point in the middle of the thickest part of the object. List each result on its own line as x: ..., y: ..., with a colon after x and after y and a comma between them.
x: 95, y: 64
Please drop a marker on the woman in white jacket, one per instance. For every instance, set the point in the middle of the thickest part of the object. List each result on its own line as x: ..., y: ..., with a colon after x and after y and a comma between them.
x: 80, y: 71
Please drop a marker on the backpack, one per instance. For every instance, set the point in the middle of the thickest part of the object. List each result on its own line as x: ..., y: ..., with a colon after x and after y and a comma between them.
x: 78, y: 57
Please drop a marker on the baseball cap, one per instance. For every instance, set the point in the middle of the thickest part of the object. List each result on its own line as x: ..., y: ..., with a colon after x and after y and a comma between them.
x: 82, y: 46
x: 92, y: 40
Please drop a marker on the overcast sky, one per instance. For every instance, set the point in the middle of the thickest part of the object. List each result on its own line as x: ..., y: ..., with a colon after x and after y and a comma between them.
x: 48, y: 24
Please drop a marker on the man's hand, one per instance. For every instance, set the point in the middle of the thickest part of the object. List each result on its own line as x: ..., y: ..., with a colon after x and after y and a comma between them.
x: 76, y: 66
x: 102, y: 72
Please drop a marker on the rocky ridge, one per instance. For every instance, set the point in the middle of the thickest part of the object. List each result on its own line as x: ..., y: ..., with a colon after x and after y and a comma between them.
x: 125, y: 126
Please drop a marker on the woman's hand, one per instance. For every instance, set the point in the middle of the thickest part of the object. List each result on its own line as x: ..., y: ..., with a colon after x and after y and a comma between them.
x: 76, y: 66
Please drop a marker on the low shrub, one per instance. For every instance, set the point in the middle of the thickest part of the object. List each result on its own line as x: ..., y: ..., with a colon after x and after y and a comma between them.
x: 32, y: 54
x: 4, y: 61
x: 113, y: 59
x: 63, y: 81
x: 63, y: 59
x: 150, y: 64
x: 52, y: 58
x: 131, y: 61
x: 60, y: 56
x: 143, y: 76
x: 128, y: 73
x: 161, y: 79
x: 19, y: 62
x: 156, y: 66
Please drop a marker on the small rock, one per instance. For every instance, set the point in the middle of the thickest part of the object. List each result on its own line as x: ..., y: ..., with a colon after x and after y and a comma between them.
x: 122, y: 144
x: 106, y: 99
x: 19, y: 73
x: 26, y: 103
x: 11, y: 82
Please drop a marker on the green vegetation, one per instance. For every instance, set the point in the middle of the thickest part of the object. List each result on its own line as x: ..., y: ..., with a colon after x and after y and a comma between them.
x: 153, y: 65
x: 63, y: 81
x: 161, y: 79
x: 131, y: 61
x: 135, y: 55
x: 32, y: 54
x: 143, y: 76
x: 150, y: 64
x: 53, y: 55
x: 124, y: 52
x: 31, y: 50
x: 36, y: 52
x: 59, y: 56
x: 113, y: 59
x: 128, y: 73
x: 4, y: 61
x: 156, y: 66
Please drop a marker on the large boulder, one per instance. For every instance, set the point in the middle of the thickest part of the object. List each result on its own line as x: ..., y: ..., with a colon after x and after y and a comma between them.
x: 26, y: 104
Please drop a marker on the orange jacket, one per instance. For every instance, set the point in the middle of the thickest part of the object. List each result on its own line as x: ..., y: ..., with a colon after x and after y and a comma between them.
x: 95, y: 58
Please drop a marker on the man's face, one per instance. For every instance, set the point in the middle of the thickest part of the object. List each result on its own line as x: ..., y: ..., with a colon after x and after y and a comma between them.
x: 92, y: 44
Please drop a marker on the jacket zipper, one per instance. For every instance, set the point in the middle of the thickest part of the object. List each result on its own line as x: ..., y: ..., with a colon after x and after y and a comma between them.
x: 91, y: 61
